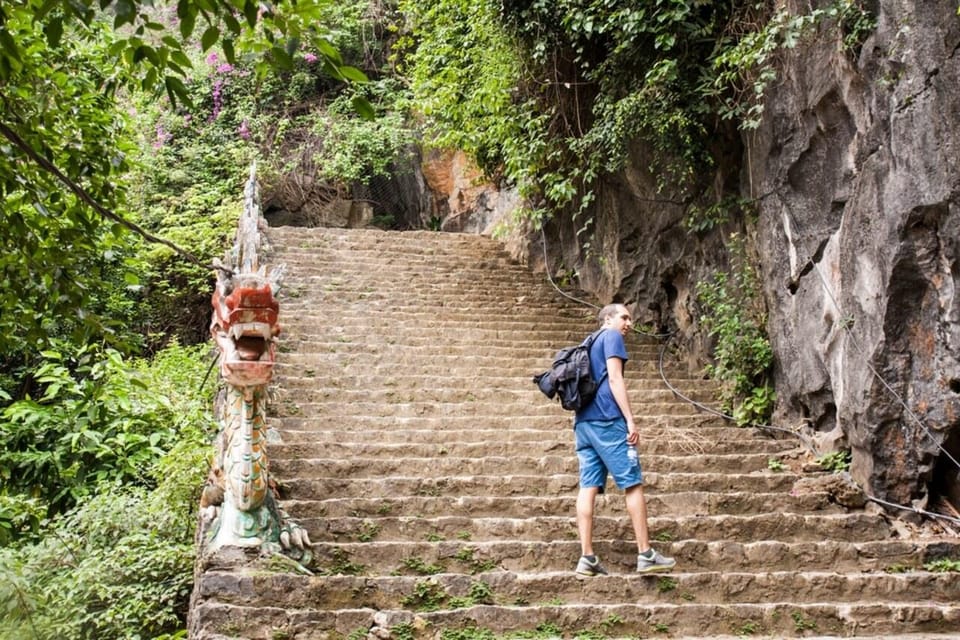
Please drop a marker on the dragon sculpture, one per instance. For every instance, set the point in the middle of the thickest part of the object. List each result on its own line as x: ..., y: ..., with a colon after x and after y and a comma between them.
x: 239, y: 505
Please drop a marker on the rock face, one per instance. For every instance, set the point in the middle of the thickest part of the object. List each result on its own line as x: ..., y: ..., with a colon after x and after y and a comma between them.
x: 855, y: 173
x: 856, y: 168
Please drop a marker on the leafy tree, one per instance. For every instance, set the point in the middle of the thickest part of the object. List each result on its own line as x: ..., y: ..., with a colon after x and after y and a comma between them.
x: 64, y: 64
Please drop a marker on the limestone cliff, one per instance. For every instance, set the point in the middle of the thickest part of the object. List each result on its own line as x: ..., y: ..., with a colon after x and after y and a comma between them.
x: 855, y: 173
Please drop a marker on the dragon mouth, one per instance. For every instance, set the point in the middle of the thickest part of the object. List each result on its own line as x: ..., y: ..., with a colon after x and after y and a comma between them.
x: 244, y: 327
x: 251, y: 341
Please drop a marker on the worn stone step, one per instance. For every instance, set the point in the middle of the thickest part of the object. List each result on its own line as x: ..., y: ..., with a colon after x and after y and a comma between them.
x: 650, y: 425
x: 388, y: 395
x: 468, y: 372
x: 464, y: 345
x: 786, y: 527
x: 474, y: 447
x: 309, y: 328
x: 388, y: 557
x: 442, y: 465
x: 537, y: 406
x: 701, y: 588
x: 486, y: 442
x: 783, y: 619
x: 524, y: 484
x: 322, y: 374
x: 658, y: 504
x: 720, y: 438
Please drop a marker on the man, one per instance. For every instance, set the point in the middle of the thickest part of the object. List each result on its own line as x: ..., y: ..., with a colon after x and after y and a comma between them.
x: 606, y: 437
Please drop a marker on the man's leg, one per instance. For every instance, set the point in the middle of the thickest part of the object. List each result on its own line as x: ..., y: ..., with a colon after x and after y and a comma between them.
x: 637, y: 508
x: 585, y: 500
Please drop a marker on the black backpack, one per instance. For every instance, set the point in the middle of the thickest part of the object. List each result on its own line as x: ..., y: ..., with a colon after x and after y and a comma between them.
x: 569, y: 379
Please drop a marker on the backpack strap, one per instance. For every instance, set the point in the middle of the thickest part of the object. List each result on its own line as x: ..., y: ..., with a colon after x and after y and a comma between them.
x: 588, y: 343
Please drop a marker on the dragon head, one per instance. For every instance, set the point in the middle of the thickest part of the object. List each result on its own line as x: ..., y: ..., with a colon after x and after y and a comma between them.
x: 244, y: 326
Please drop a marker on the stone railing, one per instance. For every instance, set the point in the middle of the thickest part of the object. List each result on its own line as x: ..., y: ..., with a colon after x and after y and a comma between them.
x: 239, y: 505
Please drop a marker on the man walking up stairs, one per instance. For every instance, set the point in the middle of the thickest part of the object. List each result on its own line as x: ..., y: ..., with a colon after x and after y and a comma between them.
x: 437, y: 483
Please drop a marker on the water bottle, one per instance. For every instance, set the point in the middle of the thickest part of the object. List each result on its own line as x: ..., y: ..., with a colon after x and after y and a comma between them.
x: 632, y: 455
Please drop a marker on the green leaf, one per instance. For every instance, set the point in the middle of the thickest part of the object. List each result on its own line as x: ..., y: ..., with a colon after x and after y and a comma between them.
x: 53, y: 31
x: 228, y: 51
x: 124, y: 13
x: 176, y: 91
x: 250, y: 10
x: 188, y: 19
x: 363, y: 108
x: 10, y: 48
x: 209, y: 38
x: 353, y: 74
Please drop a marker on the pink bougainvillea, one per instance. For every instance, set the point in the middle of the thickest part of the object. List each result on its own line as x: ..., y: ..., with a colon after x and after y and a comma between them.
x: 310, y: 58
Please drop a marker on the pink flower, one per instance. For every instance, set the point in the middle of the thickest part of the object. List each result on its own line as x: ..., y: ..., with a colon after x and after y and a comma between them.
x: 212, y: 58
x: 243, y: 130
x: 225, y: 68
x: 310, y: 58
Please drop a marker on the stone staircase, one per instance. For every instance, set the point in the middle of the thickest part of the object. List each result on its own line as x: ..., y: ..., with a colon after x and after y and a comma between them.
x: 438, y: 484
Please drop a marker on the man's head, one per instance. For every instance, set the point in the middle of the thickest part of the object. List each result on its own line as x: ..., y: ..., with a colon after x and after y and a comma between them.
x: 615, y: 316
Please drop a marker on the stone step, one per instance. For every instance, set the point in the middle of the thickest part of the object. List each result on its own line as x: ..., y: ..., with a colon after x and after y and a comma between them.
x: 480, y: 443
x: 651, y: 426
x: 309, y: 329
x: 524, y: 484
x: 473, y: 447
x: 784, y: 527
x: 721, y: 439
x: 526, y: 506
x: 312, y: 379
x: 354, y: 362
x: 445, y: 465
x: 469, y: 325
x: 507, y: 352
x: 387, y: 395
x: 456, y: 554
x: 784, y: 619
x: 393, y: 592
x: 537, y: 406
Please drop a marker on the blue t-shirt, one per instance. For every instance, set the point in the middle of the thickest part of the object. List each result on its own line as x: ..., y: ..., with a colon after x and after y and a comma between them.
x: 609, y: 344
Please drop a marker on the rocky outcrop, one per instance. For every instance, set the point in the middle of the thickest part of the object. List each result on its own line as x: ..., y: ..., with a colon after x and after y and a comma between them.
x: 855, y: 173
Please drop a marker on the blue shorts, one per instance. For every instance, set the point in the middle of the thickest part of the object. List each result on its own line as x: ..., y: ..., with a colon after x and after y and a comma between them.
x: 602, y: 449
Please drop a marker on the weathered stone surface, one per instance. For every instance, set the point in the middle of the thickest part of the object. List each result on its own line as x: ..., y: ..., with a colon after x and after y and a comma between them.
x: 858, y: 233
x: 856, y: 173
x: 840, y: 488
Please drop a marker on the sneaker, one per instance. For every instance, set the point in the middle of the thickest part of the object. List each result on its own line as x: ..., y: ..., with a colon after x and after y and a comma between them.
x: 656, y: 562
x: 587, y: 567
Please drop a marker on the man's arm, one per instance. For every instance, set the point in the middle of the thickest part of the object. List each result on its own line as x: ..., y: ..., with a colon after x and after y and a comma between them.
x: 618, y: 387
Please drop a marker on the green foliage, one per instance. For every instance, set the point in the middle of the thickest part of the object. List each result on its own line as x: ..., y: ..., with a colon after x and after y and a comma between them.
x: 733, y: 314
x: 837, y: 461
x: 96, y: 421
x: 120, y: 561
x: 427, y: 595
x: 943, y: 565
x: 666, y: 584
x: 776, y: 466
x: 57, y: 102
x: 743, y: 71
x: 353, y: 149
x: 801, y: 623
x: 20, y: 517
x: 551, y: 94
x: 419, y: 566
